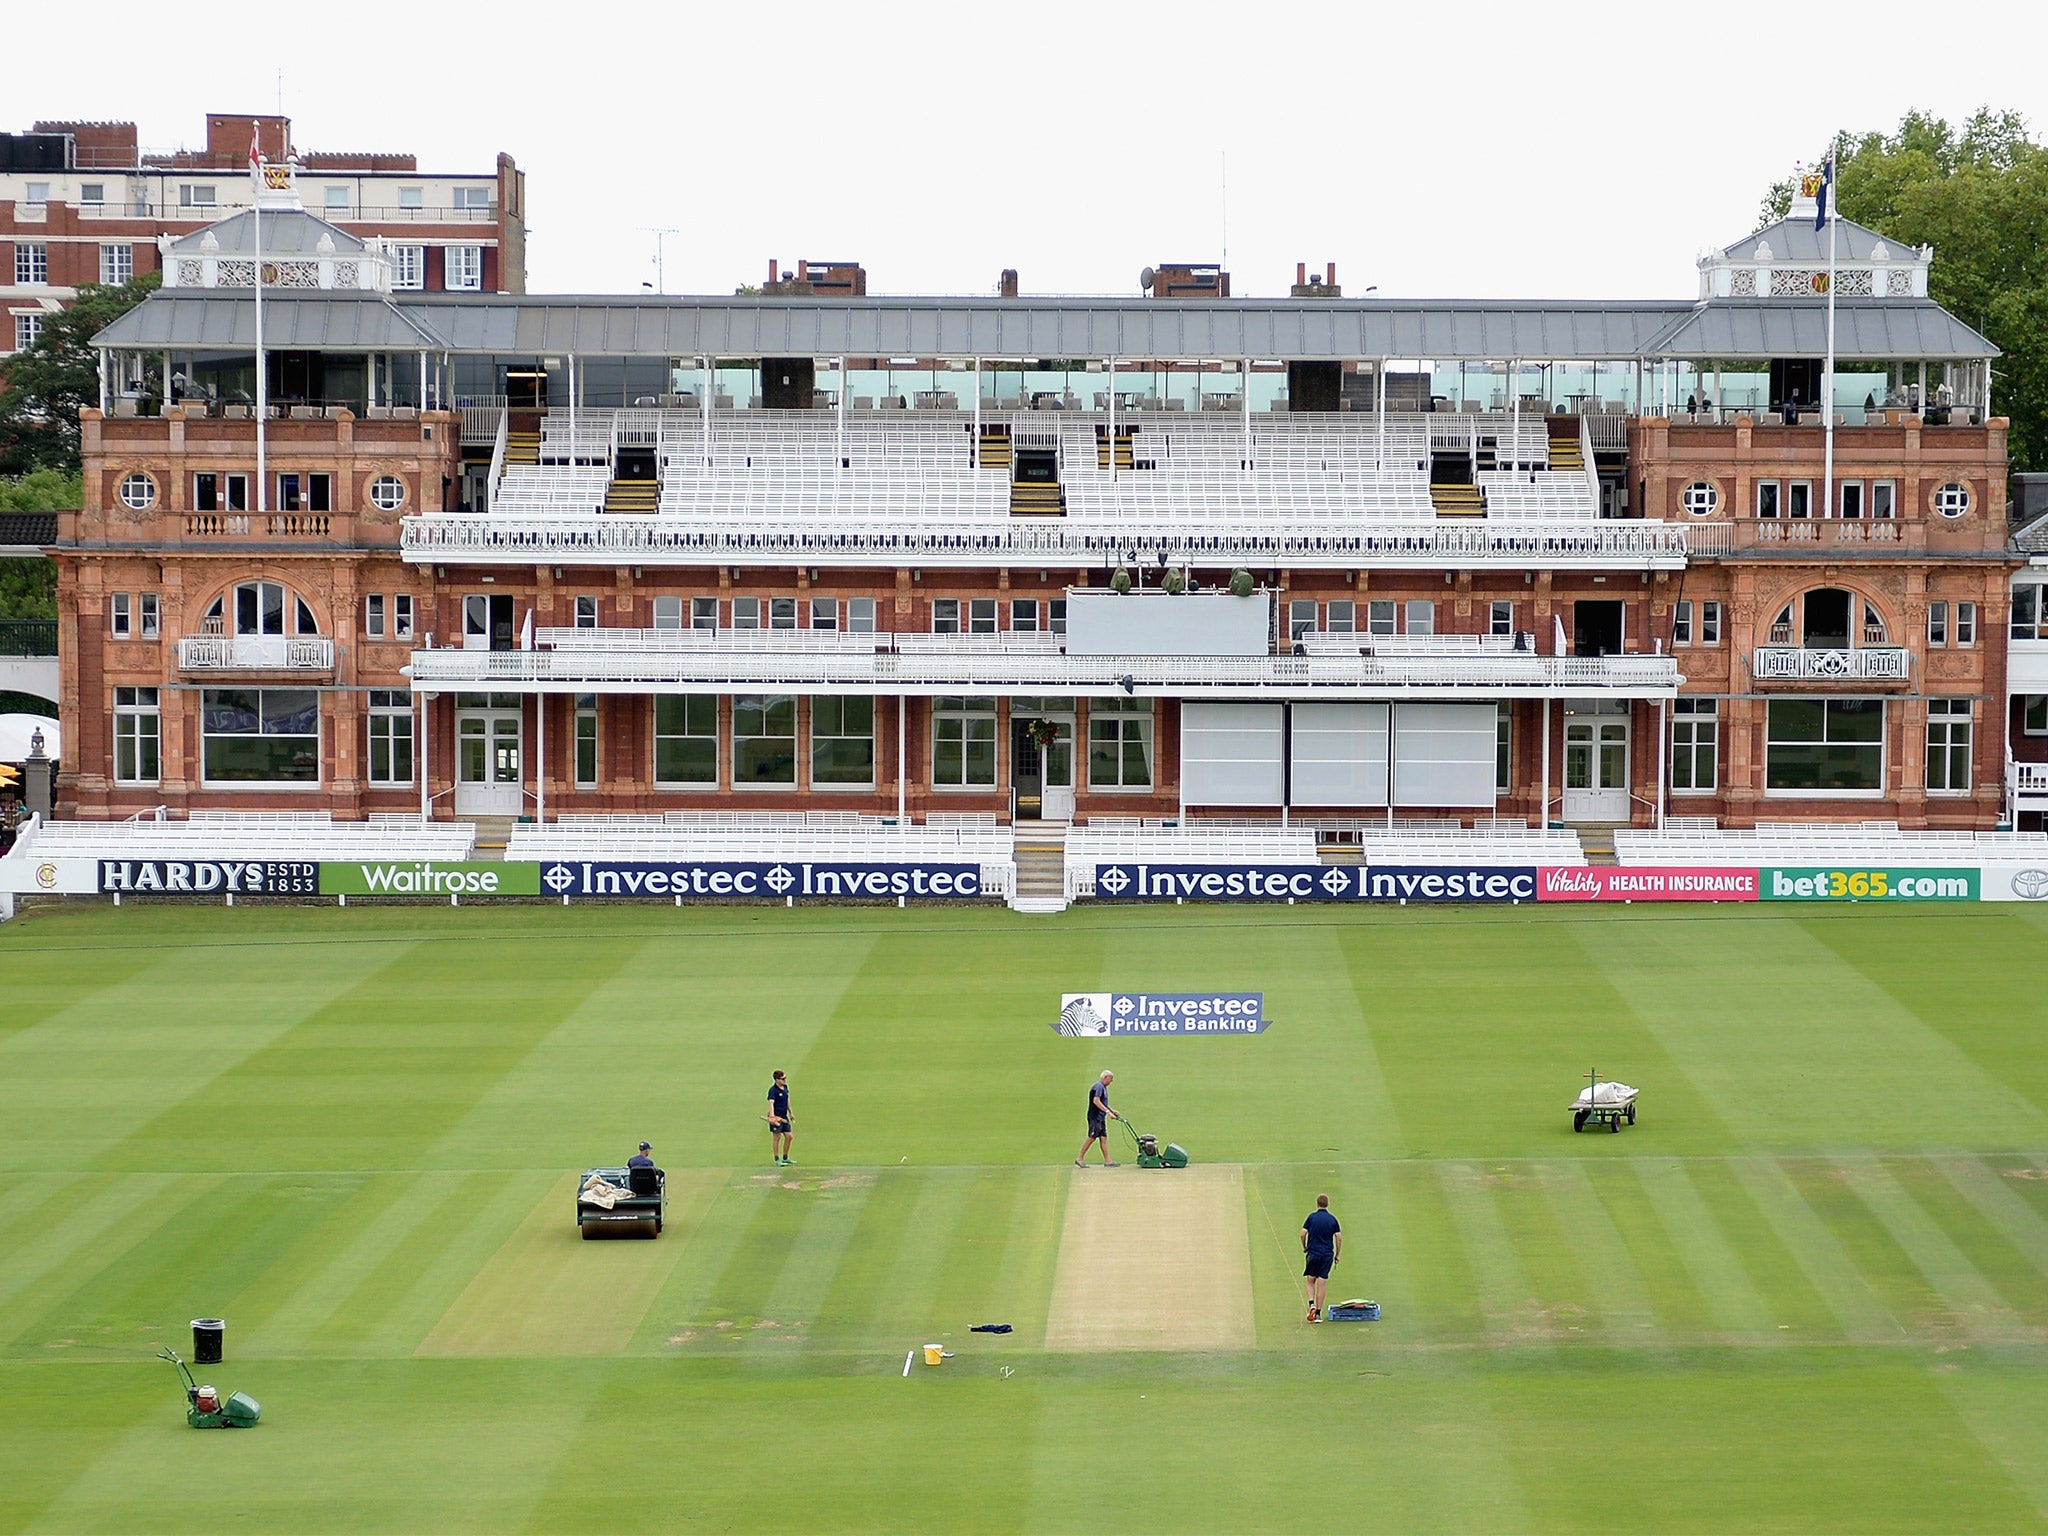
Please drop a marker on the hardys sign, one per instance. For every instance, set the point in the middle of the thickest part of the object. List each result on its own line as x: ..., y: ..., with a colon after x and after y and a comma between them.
x: 794, y: 878
x: 1228, y: 882
x: 208, y: 877
x: 1161, y: 1013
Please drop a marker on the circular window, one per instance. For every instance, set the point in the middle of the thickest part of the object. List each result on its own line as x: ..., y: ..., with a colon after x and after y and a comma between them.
x: 138, y: 491
x: 1953, y: 499
x: 1701, y: 497
x: 387, y: 492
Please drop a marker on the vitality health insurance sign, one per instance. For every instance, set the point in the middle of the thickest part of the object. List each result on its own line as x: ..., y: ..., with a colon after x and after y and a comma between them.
x: 1644, y: 882
x: 1104, y: 1014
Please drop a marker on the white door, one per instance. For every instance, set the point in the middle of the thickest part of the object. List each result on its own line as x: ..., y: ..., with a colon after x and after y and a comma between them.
x: 1059, y: 772
x: 1596, y: 769
x: 488, y: 763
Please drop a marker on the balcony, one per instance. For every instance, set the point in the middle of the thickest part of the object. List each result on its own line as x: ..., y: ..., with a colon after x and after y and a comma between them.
x: 1799, y: 664
x: 599, y: 540
x: 256, y: 653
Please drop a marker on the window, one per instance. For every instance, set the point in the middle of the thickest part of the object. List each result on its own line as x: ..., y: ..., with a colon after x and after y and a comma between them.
x: 120, y: 617
x: 1825, y: 746
x: 305, y: 493
x: 703, y: 613
x: 1937, y: 623
x: 945, y: 615
x: 1120, y: 744
x: 401, y: 616
x: 138, y: 492
x: 981, y: 616
x: 149, y: 615
x: 1024, y: 615
x: 31, y: 263
x: 586, y: 613
x: 373, y: 615
x: 465, y: 268
x: 1301, y: 618
x: 586, y: 741
x: 1056, y: 615
x: 28, y: 330
x: 2029, y: 611
x: 763, y: 739
x: 259, y: 736
x: 473, y: 198
x: 782, y: 613
x: 387, y: 493
x: 843, y: 742
x: 259, y: 609
x: 1503, y: 748
x: 1852, y: 498
x: 1379, y: 616
x: 1966, y: 623
x: 668, y: 613
x: 92, y: 194
x: 860, y: 615
x: 408, y: 267
x: 117, y: 264
x: 1502, y: 619
x: 1952, y: 500
x: 411, y: 197
x: 192, y: 196
x: 1341, y: 616
x: 1799, y: 499
x: 1421, y: 617
x: 1700, y: 498
x: 1948, y: 746
x: 685, y: 739
x: 390, y: 736
x: 746, y: 613
x: 213, y: 492
x: 1681, y: 622
x: 825, y: 613
x: 2034, y: 715
x: 1710, y: 623
x: 138, y: 736
x: 1695, y: 745
x: 1884, y: 498
x: 963, y: 743
x: 1767, y: 498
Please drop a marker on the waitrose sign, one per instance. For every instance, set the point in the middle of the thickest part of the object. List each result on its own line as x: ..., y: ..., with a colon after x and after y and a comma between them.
x: 423, y: 878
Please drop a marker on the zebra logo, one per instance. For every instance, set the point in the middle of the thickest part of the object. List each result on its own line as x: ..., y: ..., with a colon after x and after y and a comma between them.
x: 1082, y: 1015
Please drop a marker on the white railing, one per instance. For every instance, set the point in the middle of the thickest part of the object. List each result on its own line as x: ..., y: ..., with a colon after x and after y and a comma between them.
x: 498, y: 459
x: 725, y: 667
x: 1827, y: 531
x: 482, y: 419
x: 256, y: 653
x: 595, y: 539
x: 1791, y: 663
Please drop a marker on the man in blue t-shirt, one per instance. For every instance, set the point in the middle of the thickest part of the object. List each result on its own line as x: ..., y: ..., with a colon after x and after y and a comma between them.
x: 1099, y: 1116
x: 641, y: 1159
x: 1321, y: 1241
x: 781, y: 1129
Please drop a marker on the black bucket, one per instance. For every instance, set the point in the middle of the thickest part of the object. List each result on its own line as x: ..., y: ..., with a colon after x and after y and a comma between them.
x: 207, y: 1336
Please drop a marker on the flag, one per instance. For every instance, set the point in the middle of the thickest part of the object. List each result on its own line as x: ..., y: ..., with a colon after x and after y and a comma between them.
x: 1821, y: 194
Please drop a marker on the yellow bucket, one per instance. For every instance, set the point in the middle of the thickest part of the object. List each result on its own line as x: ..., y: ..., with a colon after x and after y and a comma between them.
x: 934, y: 1353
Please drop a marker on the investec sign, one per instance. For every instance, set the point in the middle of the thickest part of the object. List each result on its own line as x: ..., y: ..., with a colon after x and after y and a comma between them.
x: 713, y: 881
x: 208, y: 877
x: 1162, y: 1013
x: 1227, y: 882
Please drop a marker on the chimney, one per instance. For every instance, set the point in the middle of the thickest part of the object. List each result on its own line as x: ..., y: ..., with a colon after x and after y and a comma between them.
x: 803, y: 270
x: 1300, y: 274
x: 774, y: 274
x: 1008, y: 287
x: 1316, y: 285
x: 1331, y: 275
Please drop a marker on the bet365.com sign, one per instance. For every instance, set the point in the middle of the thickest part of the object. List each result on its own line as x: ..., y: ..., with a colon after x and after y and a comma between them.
x: 1868, y: 884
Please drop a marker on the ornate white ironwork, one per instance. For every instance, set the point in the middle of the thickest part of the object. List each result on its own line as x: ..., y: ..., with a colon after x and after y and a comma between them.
x: 256, y: 653
x: 1889, y: 664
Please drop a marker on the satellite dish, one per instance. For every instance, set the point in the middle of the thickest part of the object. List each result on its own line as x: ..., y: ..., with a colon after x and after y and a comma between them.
x: 1146, y: 278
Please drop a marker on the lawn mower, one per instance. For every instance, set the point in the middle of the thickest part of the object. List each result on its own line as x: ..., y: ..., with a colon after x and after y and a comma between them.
x: 205, y: 1408
x: 1151, y: 1154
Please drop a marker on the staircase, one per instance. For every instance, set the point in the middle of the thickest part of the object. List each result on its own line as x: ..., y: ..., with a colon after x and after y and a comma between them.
x: 1037, y: 498
x: 1597, y: 842
x: 1457, y: 500
x: 1566, y: 457
x: 1105, y: 449
x: 993, y: 451
x: 1041, y: 869
x: 634, y: 498
x: 492, y: 834
x: 522, y: 447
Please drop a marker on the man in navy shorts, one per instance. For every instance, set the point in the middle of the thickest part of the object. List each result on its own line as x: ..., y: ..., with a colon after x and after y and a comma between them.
x: 781, y: 1129
x: 1321, y: 1241
x: 1099, y: 1116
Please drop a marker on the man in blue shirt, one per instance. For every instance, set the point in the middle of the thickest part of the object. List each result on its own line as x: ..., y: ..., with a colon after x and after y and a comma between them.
x: 781, y: 1129
x: 1099, y: 1116
x: 1321, y: 1241
x: 641, y: 1159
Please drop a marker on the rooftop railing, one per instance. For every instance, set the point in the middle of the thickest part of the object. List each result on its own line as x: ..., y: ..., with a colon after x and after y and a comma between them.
x: 28, y: 637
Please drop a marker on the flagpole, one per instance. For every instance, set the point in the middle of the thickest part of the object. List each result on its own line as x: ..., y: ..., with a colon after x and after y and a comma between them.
x: 1828, y: 374
x: 262, y: 380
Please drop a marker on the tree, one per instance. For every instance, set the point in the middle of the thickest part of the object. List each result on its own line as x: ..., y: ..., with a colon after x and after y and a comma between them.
x: 1979, y: 196
x: 44, y: 388
x: 28, y: 588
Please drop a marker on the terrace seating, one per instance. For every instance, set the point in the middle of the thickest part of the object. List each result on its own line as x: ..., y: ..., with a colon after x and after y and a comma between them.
x: 1818, y: 843
x: 257, y: 835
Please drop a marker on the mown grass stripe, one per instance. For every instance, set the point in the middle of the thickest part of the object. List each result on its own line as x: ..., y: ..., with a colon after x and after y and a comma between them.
x: 1793, y: 1309
x: 1739, y: 1311
x: 1000, y: 1266
x: 1509, y: 1307
x: 1936, y: 1288
x: 1995, y: 1199
x: 799, y: 1300
x: 887, y: 1277
x: 1608, y: 1278
x: 1836, y: 1277
x: 1999, y: 1277
x: 108, y: 1219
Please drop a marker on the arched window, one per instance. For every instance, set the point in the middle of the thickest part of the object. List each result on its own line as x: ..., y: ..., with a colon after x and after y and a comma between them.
x: 260, y: 608
x: 1826, y: 619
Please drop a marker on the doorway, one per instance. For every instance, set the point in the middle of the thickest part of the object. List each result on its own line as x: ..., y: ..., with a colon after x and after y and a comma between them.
x: 1042, y: 767
x: 1596, y: 627
x: 1596, y: 768
x: 488, y: 758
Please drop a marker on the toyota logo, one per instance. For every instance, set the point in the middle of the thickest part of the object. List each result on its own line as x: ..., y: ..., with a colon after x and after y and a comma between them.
x: 2030, y: 884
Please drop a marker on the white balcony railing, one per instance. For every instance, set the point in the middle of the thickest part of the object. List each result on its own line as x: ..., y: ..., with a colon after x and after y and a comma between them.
x: 1797, y: 664
x: 596, y: 539
x: 256, y: 653
x: 609, y: 662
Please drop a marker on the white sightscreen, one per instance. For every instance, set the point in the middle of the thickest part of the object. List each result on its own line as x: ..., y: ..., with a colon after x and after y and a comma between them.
x: 1444, y: 754
x: 1230, y: 754
x: 1340, y: 754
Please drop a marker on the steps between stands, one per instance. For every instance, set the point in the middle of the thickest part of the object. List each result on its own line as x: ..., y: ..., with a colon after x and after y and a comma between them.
x: 1041, y: 869
x: 1598, y: 844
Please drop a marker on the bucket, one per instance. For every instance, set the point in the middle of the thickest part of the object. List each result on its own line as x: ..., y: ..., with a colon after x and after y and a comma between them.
x: 207, y: 1335
x: 934, y: 1353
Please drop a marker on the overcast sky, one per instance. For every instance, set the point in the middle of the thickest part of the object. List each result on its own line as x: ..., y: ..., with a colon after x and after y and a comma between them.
x: 1465, y: 149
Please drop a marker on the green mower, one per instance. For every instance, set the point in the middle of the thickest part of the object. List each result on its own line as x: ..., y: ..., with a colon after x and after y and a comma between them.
x: 205, y: 1408
x: 1151, y: 1154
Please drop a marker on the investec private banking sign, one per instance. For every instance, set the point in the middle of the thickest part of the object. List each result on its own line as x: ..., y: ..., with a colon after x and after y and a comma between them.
x: 1161, y: 1013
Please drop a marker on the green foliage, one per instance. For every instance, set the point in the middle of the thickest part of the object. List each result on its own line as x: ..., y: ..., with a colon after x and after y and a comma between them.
x: 44, y: 388
x: 1979, y: 196
x: 43, y: 490
x: 28, y: 588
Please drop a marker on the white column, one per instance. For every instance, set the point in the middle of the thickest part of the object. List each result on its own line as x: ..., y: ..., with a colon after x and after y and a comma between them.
x: 1544, y: 824
x: 1379, y: 451
x: 1244, y: 395
x: 1663, y: 758
x: 706, y: 382
x: 977, y: 411
x: 1112, y: 420
x: 572, y: 409
x: 840, y: 455
x: 426, y: 721
x: 540, y: 759
x: 902, y: 732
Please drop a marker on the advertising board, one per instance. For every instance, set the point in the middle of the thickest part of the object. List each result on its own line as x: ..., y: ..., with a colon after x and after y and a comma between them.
x: 1228, y: 882
x: 1644, y: 882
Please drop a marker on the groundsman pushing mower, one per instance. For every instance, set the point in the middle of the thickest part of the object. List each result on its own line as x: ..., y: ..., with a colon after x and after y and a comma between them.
x: 205, y: 1408
x: 1151, y: 1155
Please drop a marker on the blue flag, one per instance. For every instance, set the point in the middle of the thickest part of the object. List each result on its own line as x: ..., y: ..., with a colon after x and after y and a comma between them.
x: 1820, y: 197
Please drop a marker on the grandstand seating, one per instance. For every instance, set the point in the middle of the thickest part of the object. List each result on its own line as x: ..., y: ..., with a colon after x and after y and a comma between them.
x: 254, y: 835
x: 1878, y: 844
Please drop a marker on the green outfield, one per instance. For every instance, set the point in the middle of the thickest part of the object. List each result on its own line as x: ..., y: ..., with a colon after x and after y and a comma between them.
x: 1807, y: 1292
